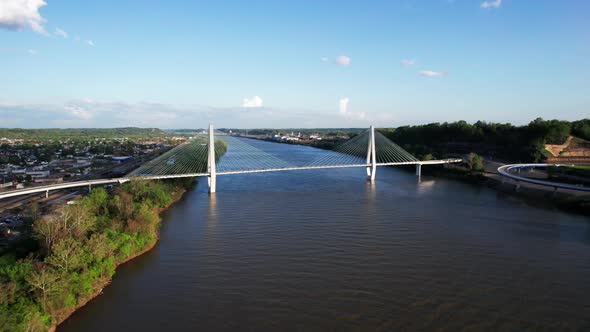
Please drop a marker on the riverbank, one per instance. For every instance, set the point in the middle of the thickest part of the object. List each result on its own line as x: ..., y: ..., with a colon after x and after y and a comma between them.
x: 101, y: 284
x: 80, y: 247
x: 565, y: 200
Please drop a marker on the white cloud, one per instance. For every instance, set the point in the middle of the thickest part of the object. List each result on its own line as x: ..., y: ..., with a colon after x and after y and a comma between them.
x: 22, y: 14
x: 491, y: 4
x: 430, y: 73
x: 252, y: 102
x: 90, y: 113
x: 343, y: 60
x: 32, y: 52
x: 343, y: 105
x: 78, y: 112
x: 90, y: 43
x: 61, y: 33
x: 343, y: 110
x: 408, y: 62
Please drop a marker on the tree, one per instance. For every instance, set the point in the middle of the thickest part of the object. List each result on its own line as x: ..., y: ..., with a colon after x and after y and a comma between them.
x: 28, y: 180
x: 124, y: 207
x: 44, y: 281
x: 97, y: 201
x: 428, y: 156
x: 475, y: 162
x: 63, y: 216
x: 581, y: 128
x: 66, y: 255
x: 81, y: 220
x: 47, y: 229
x: 99, y: 246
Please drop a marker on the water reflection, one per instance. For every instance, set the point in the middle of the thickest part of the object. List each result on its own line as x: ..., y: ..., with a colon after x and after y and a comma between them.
x: 425, y: 185
x: 212, y: 213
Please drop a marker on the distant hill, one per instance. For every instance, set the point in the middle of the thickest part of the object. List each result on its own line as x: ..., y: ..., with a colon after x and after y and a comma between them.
x: 17, y: 133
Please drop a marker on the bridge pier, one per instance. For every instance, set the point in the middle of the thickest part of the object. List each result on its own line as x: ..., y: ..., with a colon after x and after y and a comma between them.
x: 212, y: 178
x: 418, y: 170
x: 47, y: 194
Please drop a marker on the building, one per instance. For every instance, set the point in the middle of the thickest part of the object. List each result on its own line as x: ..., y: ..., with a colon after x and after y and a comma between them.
x: 38, y: 174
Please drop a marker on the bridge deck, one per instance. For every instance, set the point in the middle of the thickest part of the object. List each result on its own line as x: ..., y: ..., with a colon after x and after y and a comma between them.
x: 42, y: 189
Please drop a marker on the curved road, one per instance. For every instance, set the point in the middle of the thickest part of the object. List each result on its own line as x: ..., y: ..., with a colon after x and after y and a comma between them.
x: 506, y: 171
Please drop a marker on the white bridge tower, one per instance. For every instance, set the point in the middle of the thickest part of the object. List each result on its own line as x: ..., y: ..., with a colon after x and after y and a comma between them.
x: 371, y: 156
x: 212, y: 178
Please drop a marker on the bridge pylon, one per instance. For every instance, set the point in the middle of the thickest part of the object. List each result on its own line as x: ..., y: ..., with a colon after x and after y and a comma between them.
x: 371, y: 156
x: 212, y: 177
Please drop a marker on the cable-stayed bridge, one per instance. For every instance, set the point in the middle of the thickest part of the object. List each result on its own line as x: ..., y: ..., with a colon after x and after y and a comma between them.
x: 219, y: 154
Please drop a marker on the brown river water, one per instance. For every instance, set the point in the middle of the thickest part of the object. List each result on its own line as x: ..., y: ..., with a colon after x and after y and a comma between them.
x: 323, y: 250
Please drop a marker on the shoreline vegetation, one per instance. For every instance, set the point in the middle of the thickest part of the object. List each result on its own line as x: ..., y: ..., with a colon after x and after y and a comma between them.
x: 534, y: 196
x: 77, y: 249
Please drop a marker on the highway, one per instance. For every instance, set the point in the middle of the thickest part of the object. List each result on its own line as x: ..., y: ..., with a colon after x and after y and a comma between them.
x: 65, y: 185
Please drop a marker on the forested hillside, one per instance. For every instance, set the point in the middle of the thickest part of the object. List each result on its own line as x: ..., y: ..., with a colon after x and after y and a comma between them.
x: 497, y: 140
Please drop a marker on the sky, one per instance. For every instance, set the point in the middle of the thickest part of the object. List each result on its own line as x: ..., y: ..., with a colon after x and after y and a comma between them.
x: 291, y: 63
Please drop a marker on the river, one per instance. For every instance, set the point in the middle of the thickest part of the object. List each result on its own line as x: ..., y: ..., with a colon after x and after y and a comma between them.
x: 323, y: 250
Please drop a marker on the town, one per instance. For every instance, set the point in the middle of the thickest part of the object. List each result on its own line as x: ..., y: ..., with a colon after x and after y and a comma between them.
x: 37, y: 161
x: 318, y: 137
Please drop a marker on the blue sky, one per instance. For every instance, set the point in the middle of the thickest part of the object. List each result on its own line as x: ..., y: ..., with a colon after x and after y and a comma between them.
x: 304, y: 63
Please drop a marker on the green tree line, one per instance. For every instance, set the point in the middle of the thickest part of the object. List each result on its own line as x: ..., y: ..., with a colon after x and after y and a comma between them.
x: 498, y: 140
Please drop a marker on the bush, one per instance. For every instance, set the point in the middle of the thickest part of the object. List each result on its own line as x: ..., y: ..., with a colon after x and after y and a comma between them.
x: 475, y: 162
